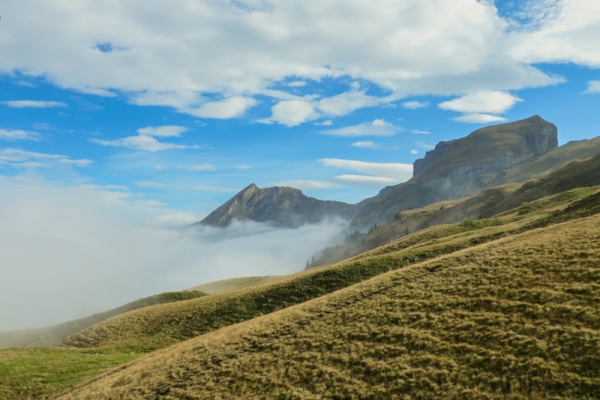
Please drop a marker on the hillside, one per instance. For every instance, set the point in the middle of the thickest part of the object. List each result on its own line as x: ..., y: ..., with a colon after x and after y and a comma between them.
x: 516, y: 317
x: 53, y: 335
x: 38, y: 373
x: 229, y: 285
x: 165, y: 325
x: 461, y: 167
x: 280, y: 206
x: 487, y: 203
x: 546, y: 163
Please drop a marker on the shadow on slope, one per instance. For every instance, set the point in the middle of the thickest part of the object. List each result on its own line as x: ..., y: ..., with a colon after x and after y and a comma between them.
x: 515, y: 318
x: 53, y: 335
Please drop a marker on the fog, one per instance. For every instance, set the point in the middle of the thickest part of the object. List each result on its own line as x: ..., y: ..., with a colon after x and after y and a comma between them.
x: 70, y: 251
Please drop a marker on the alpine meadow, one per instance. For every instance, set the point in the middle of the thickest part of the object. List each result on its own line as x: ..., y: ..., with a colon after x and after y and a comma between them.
x: 265, y: 199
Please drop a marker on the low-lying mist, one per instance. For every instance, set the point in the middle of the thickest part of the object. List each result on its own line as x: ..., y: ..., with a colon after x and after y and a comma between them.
x: 70, y: 251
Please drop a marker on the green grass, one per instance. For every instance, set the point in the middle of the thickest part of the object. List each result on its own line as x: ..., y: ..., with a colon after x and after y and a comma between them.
x: 42, y: 372
x: 161, y: 326
x: 164, y: 325
x: 53, y: 335
x: 516, y: 318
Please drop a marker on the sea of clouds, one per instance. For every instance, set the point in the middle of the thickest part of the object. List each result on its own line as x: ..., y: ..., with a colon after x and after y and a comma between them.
x: 70, y: 251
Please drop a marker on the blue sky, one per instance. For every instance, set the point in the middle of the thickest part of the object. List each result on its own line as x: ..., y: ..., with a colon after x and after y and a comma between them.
x: 182, y: 104
x: 121, y: 120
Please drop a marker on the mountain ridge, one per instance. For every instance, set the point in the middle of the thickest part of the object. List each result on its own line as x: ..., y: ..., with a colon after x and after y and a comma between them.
x: 281, y: 206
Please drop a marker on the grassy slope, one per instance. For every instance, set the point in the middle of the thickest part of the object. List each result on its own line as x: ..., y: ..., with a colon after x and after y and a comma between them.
x: 488, y: 202
x: 53, y: 335
x: 548, y: 162
x: 167, y: 324
x: 39, y: 373
x: 229, y: 285
x: 514, y: 318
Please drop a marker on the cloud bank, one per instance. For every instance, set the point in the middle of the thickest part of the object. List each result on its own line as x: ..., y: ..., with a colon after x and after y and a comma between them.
x: 67, y: 252
x: 210, y: 59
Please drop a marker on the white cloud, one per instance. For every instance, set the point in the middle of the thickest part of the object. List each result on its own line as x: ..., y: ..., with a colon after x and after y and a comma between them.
x: 376, y: 128
x: 241, y: 166
x: 12, y: 134
x: 177, y: 56
x: 202, y: 167
x: 79, y: 163
x: 29, y: 159
x: 559, y: 31
x: 96, y: 250
x: 297, y: 84
x: 366, y: 145
x: 477, y: 118
x: 425, y: 146
x: 414, y: 152
x: 593, y: 87
x: 145, y: 141
x: 292, y: 112
x: 367, y: 182
x: 324, y: 123
x: 413, y: 105
x: 494, y: 102
x: 151, y: 184
x: 345, y: 103
x: 141, y: 142
x: 33, y: 104
x: 308, y: 184
x: 163, y: 131
x: 420, y: 132
x: 232, y: 107
x: 389, y: 170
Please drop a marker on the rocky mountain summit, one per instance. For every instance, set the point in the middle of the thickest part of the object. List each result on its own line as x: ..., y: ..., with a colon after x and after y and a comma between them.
x: 461, y: 167
x: 280, y: 206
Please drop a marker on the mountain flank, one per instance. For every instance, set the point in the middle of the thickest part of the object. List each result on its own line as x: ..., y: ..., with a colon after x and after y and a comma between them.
x: 461, y: 167
x: 280, y: 206
x: 488, y: 310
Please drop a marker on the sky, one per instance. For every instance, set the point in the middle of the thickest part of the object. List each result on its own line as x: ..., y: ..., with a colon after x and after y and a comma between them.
x: 165, y: 109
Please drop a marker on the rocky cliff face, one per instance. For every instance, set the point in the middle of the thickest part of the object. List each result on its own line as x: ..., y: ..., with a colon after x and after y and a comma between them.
x: 461, y: 167
x: 280, y: 206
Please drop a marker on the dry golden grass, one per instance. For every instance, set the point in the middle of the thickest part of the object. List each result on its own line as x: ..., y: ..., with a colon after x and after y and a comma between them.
x: 514, y: 318
x: 230, y: 285
x: 161, y: 326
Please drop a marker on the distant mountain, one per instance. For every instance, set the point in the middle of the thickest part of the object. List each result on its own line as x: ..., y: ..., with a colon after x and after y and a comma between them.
x: 461, y: 167
x: 280, y: 206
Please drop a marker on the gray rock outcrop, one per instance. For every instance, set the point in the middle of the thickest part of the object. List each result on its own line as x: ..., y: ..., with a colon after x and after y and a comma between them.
x: 279, y: 206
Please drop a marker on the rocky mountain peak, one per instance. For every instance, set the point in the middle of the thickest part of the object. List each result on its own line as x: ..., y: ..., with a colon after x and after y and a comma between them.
x: 280, y: 206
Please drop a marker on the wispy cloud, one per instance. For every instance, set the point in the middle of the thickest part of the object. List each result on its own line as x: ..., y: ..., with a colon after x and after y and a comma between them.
x: 390, y: 170
x: 163, y: 131
x: 420, y: 132
x: 425, y: 146
x: 33, y: 104
x: 493, y: 102
x: 593, y: 87
x: 28, y: 159
x: 413, y: 105
x: 201, y: 167
x: 366, y: 145
x: 141, y: 142
x: 151, y: 184
x: 146, y: 141
x: 304, y: 184
x: 378, y: 127
x: 18, y: 135
x: 368, y: 182
x: 477, y: 118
